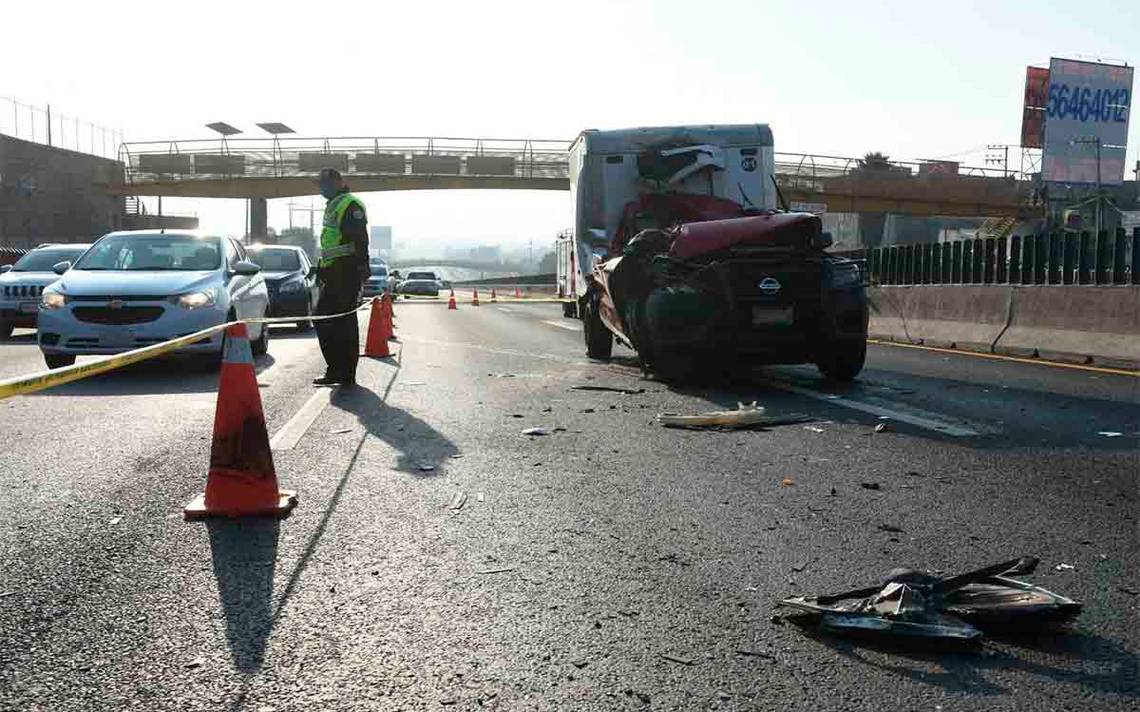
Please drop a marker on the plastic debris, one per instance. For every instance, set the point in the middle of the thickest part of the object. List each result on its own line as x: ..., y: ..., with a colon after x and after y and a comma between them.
x: 1110, y: 434
x: 457, y: 501
x: 745, y: 416
x: 536, y: 431
x: 813, y: 428
x: 787, y: 482
x: 917, y: 606
x: 881, y: 427
x: 1064, y: 567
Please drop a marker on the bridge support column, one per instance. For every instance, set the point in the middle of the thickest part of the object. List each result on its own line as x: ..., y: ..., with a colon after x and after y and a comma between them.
x: 258, y: 219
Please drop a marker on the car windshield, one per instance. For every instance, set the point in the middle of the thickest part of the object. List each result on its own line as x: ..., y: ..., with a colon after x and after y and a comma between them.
x: 379, y: 271
x: 44, y: 259
x: 275, y: 260
x: 158, y: 252
x: 421, y: 275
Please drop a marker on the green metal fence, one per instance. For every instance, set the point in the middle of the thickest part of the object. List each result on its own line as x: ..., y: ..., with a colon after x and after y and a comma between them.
x: 1084, y: 258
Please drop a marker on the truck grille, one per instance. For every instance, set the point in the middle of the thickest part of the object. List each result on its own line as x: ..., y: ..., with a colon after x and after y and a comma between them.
x: 124, y: 315
x: 23, y: 290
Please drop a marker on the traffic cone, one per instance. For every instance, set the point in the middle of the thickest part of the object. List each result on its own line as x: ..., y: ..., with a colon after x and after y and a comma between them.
x: 475, y: 297
x: 494, y: 297
x: 242, y: 481
x: 451, y: 301
x: 379, y: 329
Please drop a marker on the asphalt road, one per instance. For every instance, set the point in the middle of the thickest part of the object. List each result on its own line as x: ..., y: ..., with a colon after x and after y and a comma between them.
x: 612, y: 564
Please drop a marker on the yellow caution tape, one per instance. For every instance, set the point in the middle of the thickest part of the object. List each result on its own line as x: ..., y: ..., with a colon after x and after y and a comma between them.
x: 57, y: 377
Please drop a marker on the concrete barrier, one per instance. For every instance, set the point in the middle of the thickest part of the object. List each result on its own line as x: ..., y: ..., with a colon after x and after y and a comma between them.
x: 1067, y: 323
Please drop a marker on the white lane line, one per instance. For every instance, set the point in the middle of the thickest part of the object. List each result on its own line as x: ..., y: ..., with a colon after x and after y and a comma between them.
x: 929, y: 421
x: 562, y: 325
x: 505, y: 310
x: 288, y: 436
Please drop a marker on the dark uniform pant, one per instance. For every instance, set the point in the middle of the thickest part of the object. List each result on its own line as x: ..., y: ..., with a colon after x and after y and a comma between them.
x: 339, y: 338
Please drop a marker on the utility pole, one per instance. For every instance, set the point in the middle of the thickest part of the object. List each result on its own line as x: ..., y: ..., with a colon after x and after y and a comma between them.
x: 1095, y: 141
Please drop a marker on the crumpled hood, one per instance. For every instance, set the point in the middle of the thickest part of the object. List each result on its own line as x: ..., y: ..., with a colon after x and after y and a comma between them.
x: 91, y: 283
x: 786, y: 229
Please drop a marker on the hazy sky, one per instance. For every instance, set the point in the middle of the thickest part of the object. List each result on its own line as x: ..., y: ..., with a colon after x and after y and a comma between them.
x: 914, y: 79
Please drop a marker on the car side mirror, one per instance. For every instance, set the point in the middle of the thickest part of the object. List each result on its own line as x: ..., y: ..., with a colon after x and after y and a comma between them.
x: 824, y: 241
x: 5, y: 268
x: 246, y: 268
x: 61, y: 267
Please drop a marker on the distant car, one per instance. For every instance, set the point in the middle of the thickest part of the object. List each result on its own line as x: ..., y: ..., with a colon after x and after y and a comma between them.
x: 422, y: 276
x: 292, y: 291
x: 138, y: 288
x: 22, y: 284
x: 419, y: 287
x: 379, y: 282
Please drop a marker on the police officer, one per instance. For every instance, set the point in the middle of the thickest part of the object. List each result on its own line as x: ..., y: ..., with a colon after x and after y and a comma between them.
x: 341, y: 275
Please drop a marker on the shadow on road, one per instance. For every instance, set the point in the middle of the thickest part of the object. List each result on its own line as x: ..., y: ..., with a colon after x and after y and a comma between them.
x: 1061, y: 656
x: 244, y: 553
x: 176, y: 374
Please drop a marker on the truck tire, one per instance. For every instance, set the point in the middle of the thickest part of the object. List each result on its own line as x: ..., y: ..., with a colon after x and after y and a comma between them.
x: 570, y: 310
x: 5, y: 330
x: 599, y: 340
x: 843, y: 360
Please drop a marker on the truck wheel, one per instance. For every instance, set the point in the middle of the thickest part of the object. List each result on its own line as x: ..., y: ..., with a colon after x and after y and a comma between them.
x: 844, y: 360
x: 5, y: 330
x: 570, y: 310
x: 59, y: 360
x: 599, y: 340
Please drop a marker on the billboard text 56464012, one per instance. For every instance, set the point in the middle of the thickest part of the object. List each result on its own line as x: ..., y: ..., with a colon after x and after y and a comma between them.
x: 1086, y: 116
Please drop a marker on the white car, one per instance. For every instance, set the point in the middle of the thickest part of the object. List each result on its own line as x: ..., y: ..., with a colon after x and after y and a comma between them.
x: 139, y: 288
x: 22, y: 284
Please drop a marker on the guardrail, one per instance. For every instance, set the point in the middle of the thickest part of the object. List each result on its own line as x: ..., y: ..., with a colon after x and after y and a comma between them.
x: 1055, y: 258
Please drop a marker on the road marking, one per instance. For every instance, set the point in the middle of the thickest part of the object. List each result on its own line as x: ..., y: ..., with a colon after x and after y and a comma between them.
x: 288, y: 436
x: 561, y: 325
x: 506, y: 310
x: 929, y: 421
x: 1015, y: 359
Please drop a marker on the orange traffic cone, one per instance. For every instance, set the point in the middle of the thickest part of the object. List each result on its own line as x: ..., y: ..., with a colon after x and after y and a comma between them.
x: 451, y: 301
x: 475, y: 297
x: 494, y: 297
x: 379, y: 329
x: 242, y: 481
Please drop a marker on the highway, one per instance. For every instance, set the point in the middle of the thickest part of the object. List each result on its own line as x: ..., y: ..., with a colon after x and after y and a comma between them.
x: 441, y: 559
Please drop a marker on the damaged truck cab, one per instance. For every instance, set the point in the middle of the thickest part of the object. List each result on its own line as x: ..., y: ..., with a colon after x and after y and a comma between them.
x: 680, y: 253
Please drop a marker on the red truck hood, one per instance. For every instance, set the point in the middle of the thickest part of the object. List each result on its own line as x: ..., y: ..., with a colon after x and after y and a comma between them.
x: 701, y: 238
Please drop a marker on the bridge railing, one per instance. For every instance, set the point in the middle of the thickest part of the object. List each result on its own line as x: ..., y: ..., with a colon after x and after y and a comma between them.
x: 305, y: 156
x: 1054, y: 258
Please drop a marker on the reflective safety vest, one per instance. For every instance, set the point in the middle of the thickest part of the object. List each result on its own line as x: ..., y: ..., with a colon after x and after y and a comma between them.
x: 334, y: 246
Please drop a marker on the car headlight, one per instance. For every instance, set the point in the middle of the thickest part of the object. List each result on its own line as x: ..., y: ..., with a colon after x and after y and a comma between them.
x: 845, y: 276
x: 52, y: 300
x: 294, y: 286
x: 196, y: 300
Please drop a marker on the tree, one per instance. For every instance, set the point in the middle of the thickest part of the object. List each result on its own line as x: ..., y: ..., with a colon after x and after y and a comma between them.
x: 548, y: 264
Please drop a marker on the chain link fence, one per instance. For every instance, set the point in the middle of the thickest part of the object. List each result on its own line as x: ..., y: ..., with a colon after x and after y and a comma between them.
x: 45, y: 126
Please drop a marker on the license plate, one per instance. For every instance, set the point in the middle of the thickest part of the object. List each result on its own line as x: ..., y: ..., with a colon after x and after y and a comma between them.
x: 772, y: 316
x: 28, y: 307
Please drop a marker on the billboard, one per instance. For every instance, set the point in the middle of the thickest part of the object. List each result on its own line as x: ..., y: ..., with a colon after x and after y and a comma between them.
x: 1087, y: 114
x: 1033, y: 110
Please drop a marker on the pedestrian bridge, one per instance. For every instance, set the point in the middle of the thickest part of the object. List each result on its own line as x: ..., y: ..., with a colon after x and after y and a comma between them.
x: 282, y: 167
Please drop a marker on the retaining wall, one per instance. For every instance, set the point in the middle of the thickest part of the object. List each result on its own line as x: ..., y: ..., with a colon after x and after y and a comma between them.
x: 1083, y: 324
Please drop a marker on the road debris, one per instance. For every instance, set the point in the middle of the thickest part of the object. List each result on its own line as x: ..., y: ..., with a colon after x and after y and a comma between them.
x: 755, y: 654
x: 496, y: 571
x: 870, y: 485
x: 341, y: 431
x: 1110, y: 434
x: 890, y: 528
x: 1122, y: 589
x: 116, y: 520
x: 610, y: 389
x: 675, y: 659
x: 424, y: 467
x: 195, y: 663
x: 882, y: 427
x: 536, y: 431
x: 478, y: 496
x: 813, y: 428
x: 457, y: 501
x: 913, y: 605
x: 788, y: 482
x: 1064, y: 567
x: 745, y: 416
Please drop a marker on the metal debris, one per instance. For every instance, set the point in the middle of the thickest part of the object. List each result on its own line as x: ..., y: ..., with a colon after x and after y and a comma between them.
x: 1110, y: 434
x: 675, y: 659
x: 745, y: 416
x: 1064, y: 567
x: 881, y: 427
x: 496, y: 571
x: 457, y: 501
x: 610, y: 389
x: 536, y: 431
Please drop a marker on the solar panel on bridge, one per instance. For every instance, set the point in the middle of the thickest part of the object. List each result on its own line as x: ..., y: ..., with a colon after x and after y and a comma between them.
x: 165, y: 163
x: 219, y: 164
x: 379, y: 163
x: 490, y: 165
x: 435, y: 165
x: 314, y: 162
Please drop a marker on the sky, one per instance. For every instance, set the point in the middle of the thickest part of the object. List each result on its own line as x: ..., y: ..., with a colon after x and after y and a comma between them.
x: 913, y: 79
